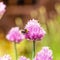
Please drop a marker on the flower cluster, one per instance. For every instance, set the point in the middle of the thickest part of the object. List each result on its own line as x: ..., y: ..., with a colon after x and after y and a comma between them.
x: 2, y: 8
x: 44, y: 54
x: 15, y: 35
x: 35, y: 31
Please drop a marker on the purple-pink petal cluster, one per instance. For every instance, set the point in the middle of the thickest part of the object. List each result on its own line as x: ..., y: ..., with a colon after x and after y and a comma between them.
x: 5, y: 57
x: 44, y: 54
x: 35, y: 31
x: 23, y: 58
x: 15, y: 35
x: 2, y: 8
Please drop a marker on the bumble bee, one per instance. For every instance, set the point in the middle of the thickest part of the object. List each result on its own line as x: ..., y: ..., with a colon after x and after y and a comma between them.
x: 24, y: 31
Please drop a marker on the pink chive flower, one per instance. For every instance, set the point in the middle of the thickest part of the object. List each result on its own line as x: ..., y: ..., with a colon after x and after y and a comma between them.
x: 15, y: 35
x: 23, y: 58
x: 44, y: 54
x: 35, y: 31
x: 5, y: 57
x: 2, y: 8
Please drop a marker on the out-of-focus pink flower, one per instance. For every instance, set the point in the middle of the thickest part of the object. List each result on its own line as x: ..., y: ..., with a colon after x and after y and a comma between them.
x: 35, y: 31
x: 5, y: 57
x: 23, y: 58
x: 0, y: 58
x: 2, y: 8
x: 15, y: 35
x: 44, y: 54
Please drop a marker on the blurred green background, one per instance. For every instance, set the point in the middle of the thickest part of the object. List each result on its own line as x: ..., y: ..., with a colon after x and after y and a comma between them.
x: 51, y: 39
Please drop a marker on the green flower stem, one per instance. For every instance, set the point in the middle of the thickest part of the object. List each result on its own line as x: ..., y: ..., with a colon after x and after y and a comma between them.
x: 15, y: 50
x: 33, y: 50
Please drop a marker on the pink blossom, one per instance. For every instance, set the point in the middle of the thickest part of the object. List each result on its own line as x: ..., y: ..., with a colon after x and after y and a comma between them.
x: 15, y: 35
x: 44, y: 54
x: 23, y: 58
x: 5, y: 57
x: 2, y: 8
x: 35, y: 31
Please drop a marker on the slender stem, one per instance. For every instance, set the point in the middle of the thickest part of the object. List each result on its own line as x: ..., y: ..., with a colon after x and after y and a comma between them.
x: 33, y: 50
x: 15, y: 50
